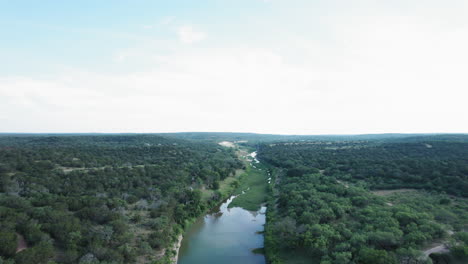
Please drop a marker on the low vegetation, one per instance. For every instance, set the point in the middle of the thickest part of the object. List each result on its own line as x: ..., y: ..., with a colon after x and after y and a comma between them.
x: 252, y: 191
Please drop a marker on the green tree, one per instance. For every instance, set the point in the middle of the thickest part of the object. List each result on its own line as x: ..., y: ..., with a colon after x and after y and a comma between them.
x: 39, y: 254
x: 8, y: 243
x: 374, y: 256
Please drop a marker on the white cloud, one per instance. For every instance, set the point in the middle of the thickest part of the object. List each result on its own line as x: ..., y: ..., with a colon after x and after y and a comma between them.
x: 373, y: 74
x: 187, y: 34
x: 246, y: 89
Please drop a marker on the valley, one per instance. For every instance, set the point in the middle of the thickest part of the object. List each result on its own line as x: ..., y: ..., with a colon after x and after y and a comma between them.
x: 230, y: 198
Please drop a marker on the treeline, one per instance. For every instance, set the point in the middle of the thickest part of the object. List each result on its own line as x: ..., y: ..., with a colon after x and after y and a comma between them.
x: 432, y: 165
x: 103, y: 199
x: 325, y: 212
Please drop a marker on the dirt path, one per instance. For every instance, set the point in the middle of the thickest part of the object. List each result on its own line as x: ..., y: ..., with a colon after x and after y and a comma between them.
x: 389, y: 192
x: 22, y: 245
x: 436, y: 248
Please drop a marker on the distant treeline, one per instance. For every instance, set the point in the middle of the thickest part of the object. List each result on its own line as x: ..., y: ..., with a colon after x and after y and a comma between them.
x: 431, y: 165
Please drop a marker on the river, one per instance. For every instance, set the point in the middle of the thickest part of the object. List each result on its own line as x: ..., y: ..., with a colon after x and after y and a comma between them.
x: 226, y: 235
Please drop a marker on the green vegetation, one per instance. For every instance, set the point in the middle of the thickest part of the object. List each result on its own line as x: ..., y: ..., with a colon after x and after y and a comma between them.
x: 253, y: 188
x: 260, y: 251
x: 104, y: 199
x: 127, y: 198
x: 430, y: 165
x: 225, y: 188
x: 325, y: 210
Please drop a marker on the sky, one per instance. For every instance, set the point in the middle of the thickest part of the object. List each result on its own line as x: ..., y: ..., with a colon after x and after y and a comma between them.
x: 264, y: 66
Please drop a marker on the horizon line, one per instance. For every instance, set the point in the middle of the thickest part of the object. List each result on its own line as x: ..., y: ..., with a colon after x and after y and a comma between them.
x: 218, y: 132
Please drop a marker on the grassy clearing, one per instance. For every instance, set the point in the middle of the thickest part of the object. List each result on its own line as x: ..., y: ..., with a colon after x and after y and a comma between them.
x: 225, y: 186
x: 255, y: 187
x: 252, y: 181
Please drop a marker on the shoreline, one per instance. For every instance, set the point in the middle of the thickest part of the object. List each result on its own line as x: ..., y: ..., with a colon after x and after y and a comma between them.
x: 187, y: 254
x: 228, y: 198
x: 176, y: 248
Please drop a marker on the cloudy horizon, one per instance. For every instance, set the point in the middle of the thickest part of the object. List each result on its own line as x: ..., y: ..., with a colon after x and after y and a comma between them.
x: 276, y: 67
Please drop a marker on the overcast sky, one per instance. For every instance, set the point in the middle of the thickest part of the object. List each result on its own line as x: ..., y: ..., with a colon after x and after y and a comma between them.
x: 267, y: 66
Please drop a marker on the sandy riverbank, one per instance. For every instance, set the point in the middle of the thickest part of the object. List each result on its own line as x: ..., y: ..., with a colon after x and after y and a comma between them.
x: 176, y: 249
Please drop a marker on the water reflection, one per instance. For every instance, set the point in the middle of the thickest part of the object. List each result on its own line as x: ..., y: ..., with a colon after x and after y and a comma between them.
x: 226, y: 236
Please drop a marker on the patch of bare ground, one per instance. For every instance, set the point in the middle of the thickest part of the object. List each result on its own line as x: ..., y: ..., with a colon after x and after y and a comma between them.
x: 389, y: 192
x: 435, y: 248
x: 70, y: 169
x: 161, y: 253
x: 227, y: 144
x: 176, y: 249
x: 22, y: 245
x: 346, y: 185
x: 242, y: 154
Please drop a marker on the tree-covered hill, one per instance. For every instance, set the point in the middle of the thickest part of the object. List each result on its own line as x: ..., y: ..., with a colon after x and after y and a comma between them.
x: 423, y: 164
x: 125, y: 198
x: 105, y: 198
x: 325, y: 211
x: 261, y: 138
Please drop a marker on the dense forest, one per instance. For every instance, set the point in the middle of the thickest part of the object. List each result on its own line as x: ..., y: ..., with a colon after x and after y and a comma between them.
x: 328, y: 207
x: 127, y: 198
x: 103, y: 198
x: 431, y: 165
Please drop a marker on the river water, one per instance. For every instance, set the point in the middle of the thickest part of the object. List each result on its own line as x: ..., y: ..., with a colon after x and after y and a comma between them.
x: 227, y: 235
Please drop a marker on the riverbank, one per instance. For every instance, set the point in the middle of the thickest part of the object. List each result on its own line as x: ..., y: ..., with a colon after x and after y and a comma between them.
x: 188, y: 225
x: 251, y: 189
x: 226, y: 189
x: 225, y: 235
x: 176, y: 249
